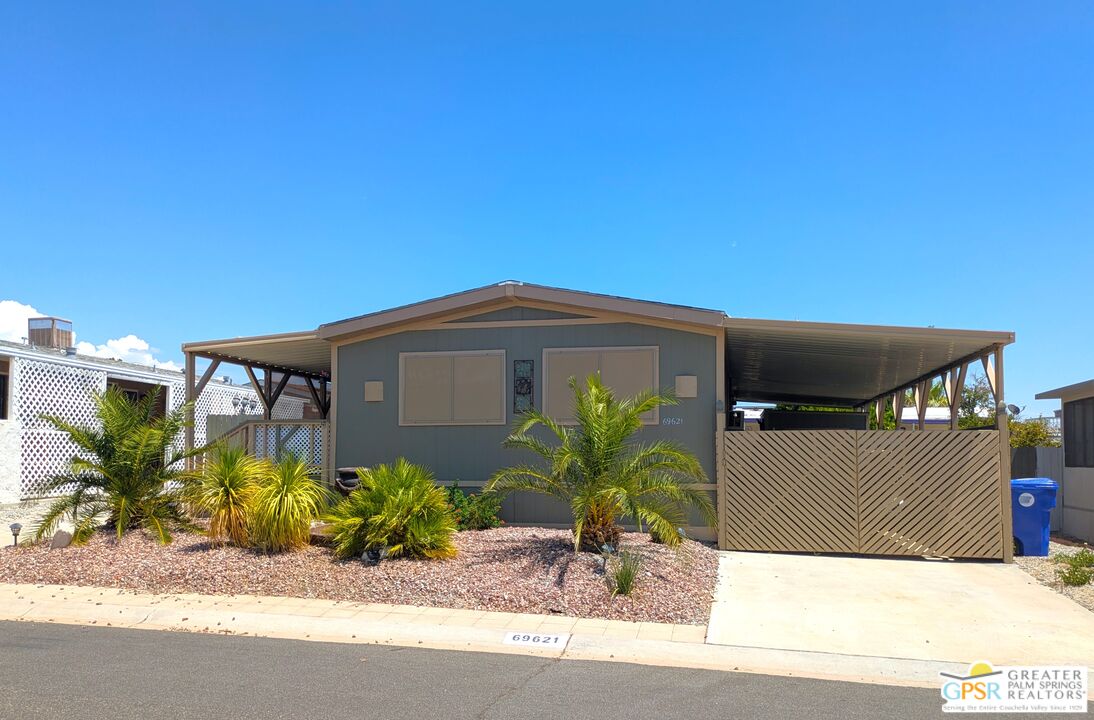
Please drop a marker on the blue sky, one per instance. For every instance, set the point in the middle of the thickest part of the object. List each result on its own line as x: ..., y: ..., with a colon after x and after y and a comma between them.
x: 185, y: 171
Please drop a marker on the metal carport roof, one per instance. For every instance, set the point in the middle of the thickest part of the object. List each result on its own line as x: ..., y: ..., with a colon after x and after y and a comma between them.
x: 838, y: 364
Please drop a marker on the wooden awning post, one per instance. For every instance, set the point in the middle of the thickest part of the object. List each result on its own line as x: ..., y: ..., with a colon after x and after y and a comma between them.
x: 1003, y: 426
x: 190, y: 396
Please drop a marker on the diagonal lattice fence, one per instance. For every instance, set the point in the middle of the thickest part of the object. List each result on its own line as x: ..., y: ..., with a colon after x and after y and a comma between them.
x: 869, y: 492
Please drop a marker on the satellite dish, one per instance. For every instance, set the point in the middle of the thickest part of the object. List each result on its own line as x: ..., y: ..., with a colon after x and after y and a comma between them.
x: 1014, y: 409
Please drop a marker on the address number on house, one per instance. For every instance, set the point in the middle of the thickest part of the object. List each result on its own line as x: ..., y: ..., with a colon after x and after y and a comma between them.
x: 535, y: 639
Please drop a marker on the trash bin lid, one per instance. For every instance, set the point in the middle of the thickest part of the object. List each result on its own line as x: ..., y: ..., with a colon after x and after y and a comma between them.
x: 1038, y: 483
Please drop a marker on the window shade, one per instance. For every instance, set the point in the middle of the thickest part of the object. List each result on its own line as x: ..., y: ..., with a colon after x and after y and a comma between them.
x: 464, y: 388
x: 627, y: 371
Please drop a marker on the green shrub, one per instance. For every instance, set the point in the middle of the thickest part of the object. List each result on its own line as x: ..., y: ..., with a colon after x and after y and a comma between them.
x: 398, y: 507
x: 1075, y: 575
x: 1083, y: 558
x: 474, y: 511
x: 225, y: 490
x: 624, y: 574
x: 284, y: 505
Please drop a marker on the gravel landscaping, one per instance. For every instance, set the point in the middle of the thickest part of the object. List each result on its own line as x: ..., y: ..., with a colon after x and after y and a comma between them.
x: 1043, y: 569
x: 509, y: 569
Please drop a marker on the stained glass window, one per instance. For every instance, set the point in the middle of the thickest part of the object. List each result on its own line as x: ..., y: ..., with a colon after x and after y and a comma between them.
x: 523, y: 384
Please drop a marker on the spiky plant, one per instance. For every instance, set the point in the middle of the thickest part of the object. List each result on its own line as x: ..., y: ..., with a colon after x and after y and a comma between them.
x: 283, y: 507
x: 225, y: 489
x: 598, y: 469
x: 126, y: 473
x: 395, y: 506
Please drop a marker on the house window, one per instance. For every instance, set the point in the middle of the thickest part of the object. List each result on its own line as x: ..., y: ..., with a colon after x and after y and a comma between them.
x: 523, y: 384
x: 452, y: 388
x: 1079, y: 433
x: 626, y: 370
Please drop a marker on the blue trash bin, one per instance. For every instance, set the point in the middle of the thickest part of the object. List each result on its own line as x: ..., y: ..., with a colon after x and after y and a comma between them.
x: 1031, y: 502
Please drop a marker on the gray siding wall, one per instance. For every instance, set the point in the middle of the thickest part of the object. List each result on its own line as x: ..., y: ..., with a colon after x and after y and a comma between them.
x: 369, y: 433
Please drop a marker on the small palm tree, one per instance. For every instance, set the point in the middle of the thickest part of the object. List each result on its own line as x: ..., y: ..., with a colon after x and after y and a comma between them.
x: 127, y: 471
x: 225, y: 489
x: 602, y: 474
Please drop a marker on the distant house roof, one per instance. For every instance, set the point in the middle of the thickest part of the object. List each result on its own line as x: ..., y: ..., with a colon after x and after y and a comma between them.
x: 101, y: 363
x: 1078, y: 390
x: 935, y: 415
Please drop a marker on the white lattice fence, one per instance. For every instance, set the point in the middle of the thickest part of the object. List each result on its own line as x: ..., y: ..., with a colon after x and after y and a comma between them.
x: 305, y: 440
x: 43, y: 388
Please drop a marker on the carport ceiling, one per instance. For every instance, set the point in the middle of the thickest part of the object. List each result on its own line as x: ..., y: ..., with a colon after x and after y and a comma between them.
x: 842, y: 365
x: 301, y: 351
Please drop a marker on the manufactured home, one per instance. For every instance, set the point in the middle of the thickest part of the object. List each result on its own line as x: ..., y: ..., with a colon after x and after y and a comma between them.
x: 1076, y: 493
x: 441, y: 381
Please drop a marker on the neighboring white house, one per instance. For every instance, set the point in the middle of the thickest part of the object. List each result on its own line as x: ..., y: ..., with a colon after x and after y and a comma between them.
x: 38, y: 380
x: 937, y: 418
x: 1076, y: 495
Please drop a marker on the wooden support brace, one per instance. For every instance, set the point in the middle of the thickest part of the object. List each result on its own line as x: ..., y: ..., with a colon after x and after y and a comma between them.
x: 205, y: 378
x: 276, y: 392
x: 321, y: 403
x: 898, y: 406
x: 922, y: 395
x: 954, y: 396
x: 258, y: 389
x: 993, y: 381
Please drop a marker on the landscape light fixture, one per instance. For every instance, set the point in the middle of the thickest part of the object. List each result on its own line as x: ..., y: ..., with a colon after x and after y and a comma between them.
x: 15, y: 528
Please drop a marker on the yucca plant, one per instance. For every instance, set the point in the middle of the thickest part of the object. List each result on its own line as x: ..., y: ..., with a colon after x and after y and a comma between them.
x: 225, y: 490
x: 624, y: 575
x: 284, y: 505
x: 602, y: 473
x: 127, y: 472
x: 398, y: 507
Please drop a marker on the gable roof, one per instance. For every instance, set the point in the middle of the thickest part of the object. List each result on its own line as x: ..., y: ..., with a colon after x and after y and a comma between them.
x: 513, y: 291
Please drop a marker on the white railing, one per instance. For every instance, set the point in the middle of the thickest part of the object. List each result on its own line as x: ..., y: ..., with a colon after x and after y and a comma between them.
x: 308, y: 440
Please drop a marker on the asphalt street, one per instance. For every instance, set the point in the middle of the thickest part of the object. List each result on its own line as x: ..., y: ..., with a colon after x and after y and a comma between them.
x: 63, y: 671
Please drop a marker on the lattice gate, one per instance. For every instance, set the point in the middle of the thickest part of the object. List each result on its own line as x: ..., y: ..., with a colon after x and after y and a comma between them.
x: 870, y: 492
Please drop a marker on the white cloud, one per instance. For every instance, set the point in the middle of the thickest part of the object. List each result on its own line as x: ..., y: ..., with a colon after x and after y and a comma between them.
x: 13, y: 320
x: 130, y: 348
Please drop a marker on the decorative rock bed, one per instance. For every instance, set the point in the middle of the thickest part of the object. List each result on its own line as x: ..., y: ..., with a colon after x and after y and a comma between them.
x: 1043, y: 569
x: 531, y: 570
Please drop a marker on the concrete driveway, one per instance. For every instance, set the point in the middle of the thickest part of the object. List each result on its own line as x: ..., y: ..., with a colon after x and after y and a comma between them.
x: 937, y: 610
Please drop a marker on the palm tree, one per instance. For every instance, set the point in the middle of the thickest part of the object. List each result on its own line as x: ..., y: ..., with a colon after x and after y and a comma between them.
x: 604, y: 475
x: 127, y: 471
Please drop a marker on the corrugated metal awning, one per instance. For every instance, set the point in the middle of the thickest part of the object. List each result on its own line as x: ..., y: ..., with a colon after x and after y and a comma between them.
x: 841, y: 365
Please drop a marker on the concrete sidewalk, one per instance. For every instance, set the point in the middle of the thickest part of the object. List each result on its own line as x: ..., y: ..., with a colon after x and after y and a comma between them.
x: 441, y: 628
